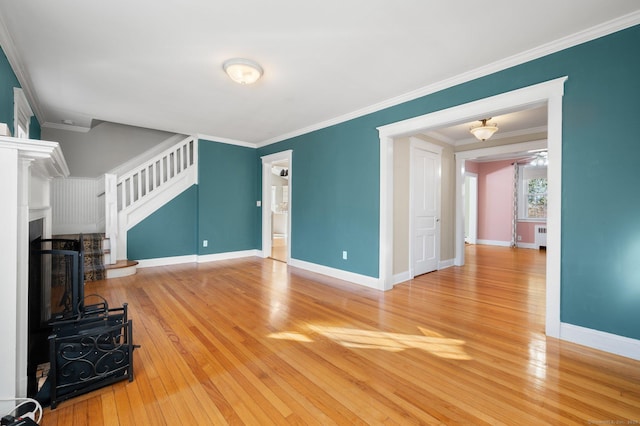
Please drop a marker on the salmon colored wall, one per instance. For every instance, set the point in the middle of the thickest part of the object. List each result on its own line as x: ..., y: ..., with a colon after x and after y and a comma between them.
x: 495, y: 200
x: 526, y: 230
x: 471, y: 166
x: 495, y: 203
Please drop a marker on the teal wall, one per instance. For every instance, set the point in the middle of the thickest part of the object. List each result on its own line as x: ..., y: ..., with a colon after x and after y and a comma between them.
x: 221, y: 209
x: 169, y: 231
x: 335, y: 190
x: 227, y: 195
x: 8, y: 81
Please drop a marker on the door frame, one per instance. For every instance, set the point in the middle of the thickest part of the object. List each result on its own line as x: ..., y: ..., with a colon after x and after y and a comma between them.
x: 416, y: 143
x: 549, y: 92
x: 267, y: 163
x: 472, y: 219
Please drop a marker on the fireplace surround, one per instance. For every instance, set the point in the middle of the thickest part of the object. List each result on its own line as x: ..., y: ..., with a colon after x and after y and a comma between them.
x: 26, y: 169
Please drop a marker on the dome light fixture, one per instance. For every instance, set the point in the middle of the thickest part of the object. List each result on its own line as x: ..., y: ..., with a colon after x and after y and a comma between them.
x: 485, y: 131
x: 242, y: 71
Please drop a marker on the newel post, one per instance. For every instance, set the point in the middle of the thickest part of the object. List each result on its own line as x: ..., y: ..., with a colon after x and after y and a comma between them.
x: 111, y: 213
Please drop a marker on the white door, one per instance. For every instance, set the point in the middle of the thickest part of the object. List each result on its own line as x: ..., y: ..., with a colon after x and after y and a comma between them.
x: 425, y: 211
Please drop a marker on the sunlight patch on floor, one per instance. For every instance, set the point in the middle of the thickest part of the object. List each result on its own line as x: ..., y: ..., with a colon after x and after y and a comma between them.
x: 290, y: 335
x: 428, y: 340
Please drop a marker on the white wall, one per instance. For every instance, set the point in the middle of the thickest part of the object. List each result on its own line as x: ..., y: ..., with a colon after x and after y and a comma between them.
x: 76, y: 206
x: 104, y: 147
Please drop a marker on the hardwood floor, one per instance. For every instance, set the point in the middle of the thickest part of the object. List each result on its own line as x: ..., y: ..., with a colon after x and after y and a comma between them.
x: 250, y: 341
x: 279, y: 249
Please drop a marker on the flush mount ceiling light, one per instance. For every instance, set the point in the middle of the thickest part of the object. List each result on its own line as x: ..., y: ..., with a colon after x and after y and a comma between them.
x: 485, y: 131
x: 242, y: 71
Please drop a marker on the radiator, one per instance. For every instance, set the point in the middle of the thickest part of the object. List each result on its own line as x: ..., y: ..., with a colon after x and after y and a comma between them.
x: 541, y: 236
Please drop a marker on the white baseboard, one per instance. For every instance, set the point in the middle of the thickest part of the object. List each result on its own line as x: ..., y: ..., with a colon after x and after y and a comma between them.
x: 165, y: 261
x: 444, y: 264
x: 407, y: 275
x: 495, y: 243
x: 527, y: 245
x: 229, y: 255
x: 338, y: 273
x: 401, y: 277
x: 193, y: 258
x: 619, y: 345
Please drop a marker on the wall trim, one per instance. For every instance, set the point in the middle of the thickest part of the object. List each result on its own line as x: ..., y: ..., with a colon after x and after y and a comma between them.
x: 580, y: 37
x: 527, y: 245
x: 401, y: 277
x: 613, y: 343
x: 494, y: 243
x: 228, y: 255
x: 166, y: 261
x: 447, y: 263
x: 194, y: 258
x: 227, y: 141
x: 337, y: 273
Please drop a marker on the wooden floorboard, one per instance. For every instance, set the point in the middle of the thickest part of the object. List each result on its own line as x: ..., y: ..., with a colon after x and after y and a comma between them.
x: 253, y: 341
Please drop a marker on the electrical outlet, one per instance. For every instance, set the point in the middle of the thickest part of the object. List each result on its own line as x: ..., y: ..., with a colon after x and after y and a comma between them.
x: 205, y: 243
x: 519, y: 237
x: 258, y: 203
x: 344, y: 255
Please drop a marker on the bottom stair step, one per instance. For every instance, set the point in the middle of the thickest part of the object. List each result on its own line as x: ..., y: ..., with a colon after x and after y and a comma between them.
x: 121, y: 268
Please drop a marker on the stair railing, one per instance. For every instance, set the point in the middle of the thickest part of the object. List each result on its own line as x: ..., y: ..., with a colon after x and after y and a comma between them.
x: 143, y: 182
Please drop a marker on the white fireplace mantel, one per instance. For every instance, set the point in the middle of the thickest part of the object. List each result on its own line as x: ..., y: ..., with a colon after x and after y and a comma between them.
x: 26, y: 169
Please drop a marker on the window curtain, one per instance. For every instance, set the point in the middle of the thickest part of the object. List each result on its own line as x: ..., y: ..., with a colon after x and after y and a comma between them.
x: 514, y: 216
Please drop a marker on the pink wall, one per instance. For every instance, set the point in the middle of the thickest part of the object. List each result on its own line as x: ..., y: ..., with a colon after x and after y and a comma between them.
x: 527, y: 231
x: 470, y: 166
x: 495, y: 200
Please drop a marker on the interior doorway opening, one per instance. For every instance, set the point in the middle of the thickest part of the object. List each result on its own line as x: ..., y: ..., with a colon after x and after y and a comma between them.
x: 276, y: 202
x: 549, y: 93
x: 279, y: 210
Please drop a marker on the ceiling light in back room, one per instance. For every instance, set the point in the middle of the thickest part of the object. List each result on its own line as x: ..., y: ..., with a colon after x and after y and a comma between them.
x: 242, y: 71
x: 485, y: 131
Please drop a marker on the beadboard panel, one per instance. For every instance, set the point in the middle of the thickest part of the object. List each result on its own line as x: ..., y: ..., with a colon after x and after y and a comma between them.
x: 77, y: 205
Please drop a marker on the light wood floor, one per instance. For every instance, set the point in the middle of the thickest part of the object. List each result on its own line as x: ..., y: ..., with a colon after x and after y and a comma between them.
x: 250, y: 341
x: 279, y: 249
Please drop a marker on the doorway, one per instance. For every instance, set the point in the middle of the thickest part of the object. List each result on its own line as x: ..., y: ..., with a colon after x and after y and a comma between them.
x: 279, y: 209
x: 549, y: 93
x: 276, y: 205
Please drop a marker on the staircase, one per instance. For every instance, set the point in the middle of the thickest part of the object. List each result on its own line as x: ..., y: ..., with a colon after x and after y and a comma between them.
x: 149, y: 182
x: 109, y: 206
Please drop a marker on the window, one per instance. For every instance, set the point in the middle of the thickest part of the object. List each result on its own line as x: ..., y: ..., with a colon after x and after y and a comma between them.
x: 532, y: 194
x: 21, y: 114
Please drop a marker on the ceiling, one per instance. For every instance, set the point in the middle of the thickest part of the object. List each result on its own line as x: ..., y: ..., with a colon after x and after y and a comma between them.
x: 159, y: 64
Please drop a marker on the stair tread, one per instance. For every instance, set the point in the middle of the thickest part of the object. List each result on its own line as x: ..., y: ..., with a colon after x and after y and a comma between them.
x: 122, y: 264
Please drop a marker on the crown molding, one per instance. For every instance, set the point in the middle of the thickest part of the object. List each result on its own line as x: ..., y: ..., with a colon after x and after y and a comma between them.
x: 226, y: 140
x: 575, y: 39
x: 8, y: 47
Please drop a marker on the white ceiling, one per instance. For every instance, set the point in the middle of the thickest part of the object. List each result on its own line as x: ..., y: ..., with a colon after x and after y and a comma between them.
x: 158, y: 64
